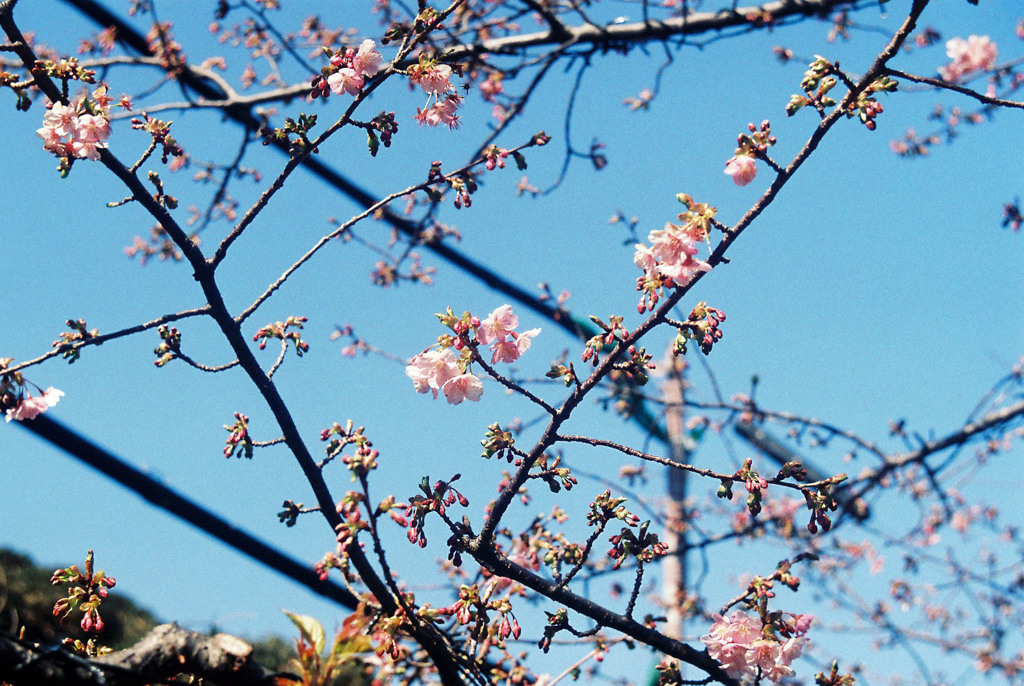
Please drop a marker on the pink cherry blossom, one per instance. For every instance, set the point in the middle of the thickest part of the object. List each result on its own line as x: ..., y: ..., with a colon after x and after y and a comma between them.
x: 92, y: 128
x: 672, y: 254
x: 742, y: 169
x: 509, y: 350
x: 971, y: 55
x: 763, y: 653
x: 463, y: 387
x: 345, y: 80
x: 51, y: 140
x: 491, y: 87
x: 738, y: 642
x: 87, y: 149
x: 66, y: 133
x: 60, y: 118
x: 31, y: 407
x: 441, y: 112
x: 498, y: 325
x: 430, y: 370
x: 434, y: 79
x: 367, y: 59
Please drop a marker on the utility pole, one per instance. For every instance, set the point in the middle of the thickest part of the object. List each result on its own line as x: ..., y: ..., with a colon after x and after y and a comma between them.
x: 673, y: 566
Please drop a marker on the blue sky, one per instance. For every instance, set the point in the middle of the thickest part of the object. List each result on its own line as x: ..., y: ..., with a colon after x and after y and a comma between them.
x: 874, y: 288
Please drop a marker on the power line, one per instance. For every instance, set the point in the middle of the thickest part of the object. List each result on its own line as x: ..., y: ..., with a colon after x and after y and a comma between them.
x: 181, y: 507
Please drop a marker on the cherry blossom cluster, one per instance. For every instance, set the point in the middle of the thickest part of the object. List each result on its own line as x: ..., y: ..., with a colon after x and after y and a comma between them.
x: 77, y: 131
x: 442, y: 370
x: 30, y: 407
x: 435, y: 80
x: 977, y: 53
x: 18, y: 400
x: 348, y: 70
x: 670, y: 259
x: 745, y: 649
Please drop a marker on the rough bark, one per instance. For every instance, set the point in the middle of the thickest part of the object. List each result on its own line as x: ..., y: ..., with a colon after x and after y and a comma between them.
x: 166, y: 651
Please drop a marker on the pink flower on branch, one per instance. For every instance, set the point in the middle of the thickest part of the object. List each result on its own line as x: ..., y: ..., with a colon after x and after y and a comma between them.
x: 740, y: 644
x: 742, y: 169
x: 497, y: 326
x: 509, y: 350
x: 431, y: 369
x: 444, y: 370
x: 67, y: 133
x: 671, y: 254
x: 463, y: 387
x: 434, y: 79
x: 441, y: 112
x: 974, y: 54
x: 345, y: 80
x: 367, y: 59
x: 31, y: 407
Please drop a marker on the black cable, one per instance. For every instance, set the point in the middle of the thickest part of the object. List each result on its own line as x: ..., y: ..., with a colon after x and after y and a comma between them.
x: 169, y: 500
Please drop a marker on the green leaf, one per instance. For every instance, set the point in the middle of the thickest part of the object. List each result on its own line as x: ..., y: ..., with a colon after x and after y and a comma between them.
x: 310, y: 629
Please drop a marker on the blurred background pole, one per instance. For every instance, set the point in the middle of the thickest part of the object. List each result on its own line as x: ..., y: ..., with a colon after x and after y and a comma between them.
x: 673, y: 566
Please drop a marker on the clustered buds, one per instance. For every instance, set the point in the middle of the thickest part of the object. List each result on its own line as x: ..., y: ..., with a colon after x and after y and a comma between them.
x: 820, y: 502
x: 161, y: 133
x: 170, y: 345
x: 702, y: 326
x: 637, y: 365
x: 290, y: 514
x: 822, y: 76
x: 866, y: 107
x: 436, y: 498
x: 69, y: 343
x: 834, y: 678
x: 818, y: 80
x: 238, y: 440
x: 280, y: 331
x: 605, y: 508
x: 613, y: 333
x: 644, y: 545
x: 384, y: 123
x: 472, y: 610
x: 337, y: 437
x: 755, y: 484
x: 324, y: 566
x: 294, y: 134
x: 498, y: 443
x: 1012, y: 217
x: 87, y: 590
x: 555, y: 476
x: 352, y: 523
